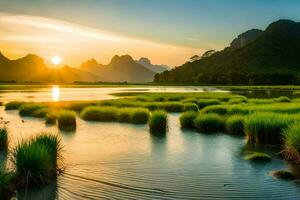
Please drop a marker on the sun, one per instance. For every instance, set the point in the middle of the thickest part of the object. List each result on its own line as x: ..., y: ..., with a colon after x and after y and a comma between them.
x: 56, y: 60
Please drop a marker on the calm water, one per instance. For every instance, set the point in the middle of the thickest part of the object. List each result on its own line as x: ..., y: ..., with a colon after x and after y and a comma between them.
x: 123, y: 161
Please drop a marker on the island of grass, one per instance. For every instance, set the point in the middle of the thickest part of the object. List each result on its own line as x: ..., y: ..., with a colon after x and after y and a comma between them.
x: 258, y: 156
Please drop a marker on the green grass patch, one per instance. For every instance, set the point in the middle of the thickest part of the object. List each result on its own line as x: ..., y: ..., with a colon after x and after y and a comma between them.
x: 207, y: 102
x: 66, y: 120
x: 258, y: 156
x: 187, y: 119
x: 100, y: 113
x: 282, y: 99
x: 51, y: 117
x: 140, y: 116
x: 158, y: 122
x: 190, y: 107
x: 7, y: 185
x: 29, y: 109
x: 235, y: 124
x: 292, y: 143
x: 207, y: 123
x: 283, y: 174
x: 3, y: 139
x: 13, y: 105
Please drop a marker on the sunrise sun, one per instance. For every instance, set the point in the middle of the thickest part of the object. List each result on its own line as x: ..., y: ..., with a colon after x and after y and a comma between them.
x: 56, y: 60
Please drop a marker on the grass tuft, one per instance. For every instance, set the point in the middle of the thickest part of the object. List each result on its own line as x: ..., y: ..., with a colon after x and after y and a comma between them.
x: 13, y: 105
x: 209, y: 123
x: 187, y: 119
x: 3, y: 139
x: 99, y: 113
x: 258, y: 156
x: 235, y: 124
x: 190, y: 107
x: 158, y: 122
x: 66, y: 120
x: 292, y: 143
x: 140, y: 116
x: 30, y: 109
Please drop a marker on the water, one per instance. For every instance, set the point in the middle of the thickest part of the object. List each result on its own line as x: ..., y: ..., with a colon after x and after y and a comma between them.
x: 123, y: 161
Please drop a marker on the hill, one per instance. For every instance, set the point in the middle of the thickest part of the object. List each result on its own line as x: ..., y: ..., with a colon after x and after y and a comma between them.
x: 155, y: 68
x: 271, y: 56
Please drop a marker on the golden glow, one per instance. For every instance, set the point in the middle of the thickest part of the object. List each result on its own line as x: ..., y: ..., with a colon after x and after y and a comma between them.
x: 55, y: 93
x: 56, y: 60
x: 23, y: 34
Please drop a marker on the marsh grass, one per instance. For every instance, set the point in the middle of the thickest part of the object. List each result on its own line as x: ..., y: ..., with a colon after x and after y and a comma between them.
x: 283, y: 174
x: 158, y: 122
x: 29, y: 109
x: 173, y: 106
x: 235, y: 124
x: 282, y: 99
x: 140, y: 116
x: 6, y: 183
x: 292, y: 143
x: 3, y: 139
x: 41, y: 113
x: 267, y: 127
x: 208, y: 102
x: 99, y: 113
x: 190, y: 107
x: 217, y: 109
x: 36, y: 160
x: 66, y: 120
x: 258, y: 156
x: 13, y: 105
x: 51, y: 117
x: 208, y: 123
x: 187, y: 119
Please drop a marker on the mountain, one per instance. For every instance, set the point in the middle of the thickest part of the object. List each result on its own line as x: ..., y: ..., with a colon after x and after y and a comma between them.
x: 268, y: 57
x: 32, y: 68
x: 155, y: 68
x: 120, y: 69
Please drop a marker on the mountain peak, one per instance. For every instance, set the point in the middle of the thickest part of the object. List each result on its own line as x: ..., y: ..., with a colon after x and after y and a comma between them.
x: 90, y: 63
x: 245, y: 38
x: 284, y: 26
x: 144, y: 60
x: 123, y: 58
x: 3, y: 58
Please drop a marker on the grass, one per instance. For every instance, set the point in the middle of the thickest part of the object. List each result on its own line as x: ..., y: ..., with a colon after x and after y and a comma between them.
x: 190, y: 107
x: 140, y: 116
x: 51, y: 117
x: 258, y: 156
x: 187, y: 119
x: 208, y: 102
x: 36, y: 160
x: 235, y: 124
x: 29, y: 109
x: 217, y: 109
x: 158, y: 122
x: 292, y: 143
x: 6, y: 183
x: 3, y: 139
x: 173, y: 106
x: 283, y: 174
x: 267, y: 128
x: 207, y: 123
x: 282, y: 99
x: 13, y: 105
x: 66, y: 120
x: 99, y: 113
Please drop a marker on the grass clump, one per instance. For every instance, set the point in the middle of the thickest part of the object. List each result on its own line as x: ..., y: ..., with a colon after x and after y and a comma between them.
x: 208, y: 102
x: 292, y: 143
x: 158, y: 122
x: 187, y: 119
x: 217, y: 109
x: 3, y: 139
x: 267, y: 127
x: 124, y: 115
x: 190, y: 107
x: 66, y: 120
x: 258, y: 156
x: 140, y: 116
x: 13, y: 105
x: 282, y: 99
x: 173, y: 106
x: 51, y: 117
x: 283, y: 174
x: 40, y: 113
x: 209, y: 122
x: 29, y: 109
x: 235, y: 124
x: 99, y: 113
x: 6, y: 183
x: 36, y: 160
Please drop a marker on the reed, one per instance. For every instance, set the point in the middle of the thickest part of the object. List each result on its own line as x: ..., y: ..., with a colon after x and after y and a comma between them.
x: 292, y: 143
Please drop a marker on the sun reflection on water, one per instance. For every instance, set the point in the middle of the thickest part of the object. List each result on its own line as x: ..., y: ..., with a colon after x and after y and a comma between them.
x: 55, y: 93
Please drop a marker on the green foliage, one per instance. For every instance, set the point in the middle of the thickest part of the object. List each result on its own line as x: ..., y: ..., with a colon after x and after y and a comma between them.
x: 283, y: 99
x: 208, y: 102
x: 99, y: 113
x: 3, y: 139
x: 190, y: 107
x: 51, y: 117
x: 66, y: 120
x: 209, y: 123
x: 6, y: 183
x: 40, y: 113
x: 258, y: 156
x: 35, y: 160
x: 292, y: 142
x: 235, y: 124
x: 187, y: 119
x: 158, y: 122
x: 173, y: 106
x: 29, y: 109
x: 13, y: 105
x: 140, y: 116
x: 267, y: 127
x: 218, y: 109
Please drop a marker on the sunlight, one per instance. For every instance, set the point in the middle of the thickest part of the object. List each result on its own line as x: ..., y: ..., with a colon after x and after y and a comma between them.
x: 56, y: 60
x: 55, y: 93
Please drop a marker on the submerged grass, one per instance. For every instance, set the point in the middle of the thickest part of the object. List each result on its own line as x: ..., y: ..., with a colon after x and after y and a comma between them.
x: 207, y: 123
x: 158, y: 122
x: 66, y: 120
x: 3, y: 139
x: 187, y: 119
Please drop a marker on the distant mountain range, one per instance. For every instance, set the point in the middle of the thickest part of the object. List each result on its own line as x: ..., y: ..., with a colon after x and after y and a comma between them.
x: 271, y: 56
x: 32, y: 68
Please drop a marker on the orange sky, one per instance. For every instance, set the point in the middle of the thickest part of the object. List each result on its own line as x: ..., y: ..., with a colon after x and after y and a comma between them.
x: 74, y: 43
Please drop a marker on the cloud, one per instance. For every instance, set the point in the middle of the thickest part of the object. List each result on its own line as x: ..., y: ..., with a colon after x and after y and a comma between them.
x: 45, y: 36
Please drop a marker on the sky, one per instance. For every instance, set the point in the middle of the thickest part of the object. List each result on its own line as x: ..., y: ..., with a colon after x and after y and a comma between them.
x: 165, y: 31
